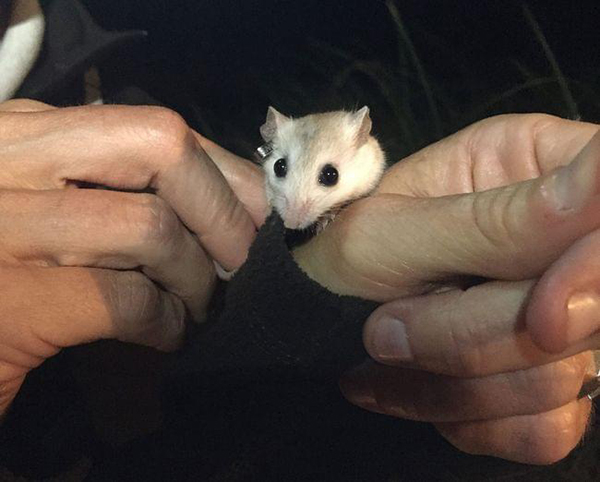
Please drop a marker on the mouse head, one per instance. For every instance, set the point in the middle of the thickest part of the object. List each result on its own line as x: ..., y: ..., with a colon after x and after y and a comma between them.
x: 318, y: 162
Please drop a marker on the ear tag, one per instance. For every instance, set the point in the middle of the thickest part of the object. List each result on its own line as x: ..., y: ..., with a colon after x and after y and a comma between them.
x: 263, y: 152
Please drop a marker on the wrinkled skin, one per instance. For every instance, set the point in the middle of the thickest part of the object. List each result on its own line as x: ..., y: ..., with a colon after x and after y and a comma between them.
x: 79, y: 265
x: 496, y: 367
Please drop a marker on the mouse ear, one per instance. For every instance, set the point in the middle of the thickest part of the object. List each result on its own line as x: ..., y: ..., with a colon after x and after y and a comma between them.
x: 274, y: 121
x: 363, y: 123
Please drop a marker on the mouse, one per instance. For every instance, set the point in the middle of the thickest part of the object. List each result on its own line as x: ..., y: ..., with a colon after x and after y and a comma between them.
x: 316, y: 164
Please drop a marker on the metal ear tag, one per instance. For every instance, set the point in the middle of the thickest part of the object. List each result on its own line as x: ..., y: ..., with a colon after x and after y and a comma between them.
x: 263, y: 151
x: 591, y: 387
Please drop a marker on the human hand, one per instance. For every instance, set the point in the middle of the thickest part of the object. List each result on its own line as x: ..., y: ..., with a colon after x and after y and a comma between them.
x: 77, y: 265
x: 473, y: 370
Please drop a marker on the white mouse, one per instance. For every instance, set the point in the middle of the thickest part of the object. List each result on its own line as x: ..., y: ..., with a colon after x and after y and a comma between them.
x: 316, y: 164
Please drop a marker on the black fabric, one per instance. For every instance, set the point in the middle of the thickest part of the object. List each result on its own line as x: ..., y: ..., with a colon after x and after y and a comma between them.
x: 236, y: 410
x: 274, y: 331
x: 256, y: 398
x: 47, y: 427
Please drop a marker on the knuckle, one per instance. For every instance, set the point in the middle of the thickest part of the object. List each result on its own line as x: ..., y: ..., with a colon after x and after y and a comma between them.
x: 464, y: 355
x: 570, y: 373
x: 469, y: 361
x: 168, y: 119
x: 550, y: 386
x: 541, y: 439
x: 538, y: 122
x: 168, y: 336
x: 134, y: 299
x: 166, y: 134
x: 153, y: 220
x: 497, y: 217
x: 576, y: 367
x: 555, y: 436
x: 494, y: 218
x: 145, y: 315
x: 526, y: 122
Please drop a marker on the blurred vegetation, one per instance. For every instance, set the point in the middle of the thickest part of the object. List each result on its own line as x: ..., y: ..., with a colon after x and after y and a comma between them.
x: 425, y: 68
x: 412, y: 109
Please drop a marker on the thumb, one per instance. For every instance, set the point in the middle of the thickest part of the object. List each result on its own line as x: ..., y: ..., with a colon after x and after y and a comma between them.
x: 389, y: 245
x: 564, y: 310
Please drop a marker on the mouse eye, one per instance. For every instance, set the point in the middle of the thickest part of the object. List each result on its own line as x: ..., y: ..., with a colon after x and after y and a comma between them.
x: 328, y: 176
x: 280, y: 167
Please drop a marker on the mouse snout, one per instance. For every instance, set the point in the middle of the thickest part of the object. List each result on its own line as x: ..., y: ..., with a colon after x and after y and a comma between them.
x: 297, y: 215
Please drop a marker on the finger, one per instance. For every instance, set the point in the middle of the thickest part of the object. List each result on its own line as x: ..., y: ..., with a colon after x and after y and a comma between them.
x: 128, y: 148
x: 107, y: 229
x: 245, y: 178
x: 532, y: 439
x: 24, y: 105
x: 491, y: 153
x: 565, y: 305
x: 74, y: 306
x: 9, y: 387
x: 387, y: 246
x: 43, y: 310
x: 427, y: 397
x: 454, y: 333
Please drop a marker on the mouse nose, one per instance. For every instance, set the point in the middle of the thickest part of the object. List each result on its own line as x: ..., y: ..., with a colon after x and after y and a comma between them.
x: 296, y: 215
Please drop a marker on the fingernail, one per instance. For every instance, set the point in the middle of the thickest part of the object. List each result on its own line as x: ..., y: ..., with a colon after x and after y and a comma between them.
x: 584, y: 315
x: 574, y: 184
x: 356, y: 388
x: 390, y: 341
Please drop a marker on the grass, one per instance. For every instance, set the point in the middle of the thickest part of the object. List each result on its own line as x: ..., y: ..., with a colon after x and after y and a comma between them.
x: 414, y: 101
x: 411, y: 108
x: 567, y: 95
x: 195, y: 65
x: 405, y: 43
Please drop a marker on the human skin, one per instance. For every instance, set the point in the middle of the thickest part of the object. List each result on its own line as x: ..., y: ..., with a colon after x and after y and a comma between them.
x: 496, y: 367
x: 79, y: 265
x: 98, y: 264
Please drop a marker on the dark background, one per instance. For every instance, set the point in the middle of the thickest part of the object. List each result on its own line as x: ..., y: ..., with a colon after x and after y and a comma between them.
x: 221, y: 63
